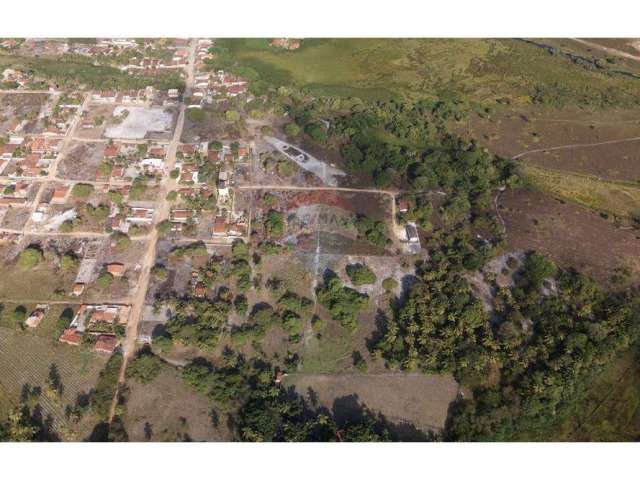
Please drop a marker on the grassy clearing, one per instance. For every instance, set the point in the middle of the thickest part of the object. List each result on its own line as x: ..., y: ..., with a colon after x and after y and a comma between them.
x: 613, y: 197
x: 38, y: 283
x: 329, y: 354
x: 472, y: 70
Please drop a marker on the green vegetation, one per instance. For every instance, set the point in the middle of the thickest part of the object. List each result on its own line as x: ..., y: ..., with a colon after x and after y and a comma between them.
x: 360, y: 274
x: 30, y: 257
x: 343, y: 303
x: 389, y: 284
x: 274, y: 223
x: 106, y: 385
x: 75, y: 71
x: 373, y: 231
x: 82, y: 190
x: 197, y: 321
x: 540, y: 371
x: 471, y: 71
x: 145, y: 367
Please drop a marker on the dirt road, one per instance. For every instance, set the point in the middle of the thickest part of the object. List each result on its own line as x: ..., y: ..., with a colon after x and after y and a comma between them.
x: 162, y: 212
x: 612, y: 51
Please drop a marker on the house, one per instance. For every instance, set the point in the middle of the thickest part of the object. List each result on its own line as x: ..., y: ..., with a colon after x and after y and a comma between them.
x: 403, y: 205
x: 60, y: 194
x: 140, y: 215
x: 105, y: 96
x: 152, y: 164
x: 78, y: 288
x: 200, y: 290
x: 106, y: 343
x: 38, y: 145
x: 173, y: 93
x: 183, y: 216
x: 70, y: 336
x: 412, y: 233
x: 36, y: 316
x: 219, y: 227
x: 117, y: 171
x: 111, y: 150
x: 243, y: 152
x: 116, y: 269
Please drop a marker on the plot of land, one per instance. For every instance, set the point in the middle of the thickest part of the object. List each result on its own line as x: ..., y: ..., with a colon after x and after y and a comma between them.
x: 137, y: 123
x: 571, y: 235
x: 413, y: 403
x: 168, y: 410
x: 25, y: 359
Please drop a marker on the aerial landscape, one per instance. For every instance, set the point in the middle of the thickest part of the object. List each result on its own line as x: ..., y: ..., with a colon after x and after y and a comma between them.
x: 319, y: 240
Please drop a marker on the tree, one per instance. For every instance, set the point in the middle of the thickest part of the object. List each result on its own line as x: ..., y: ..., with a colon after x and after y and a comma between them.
x: 274, y: 223
x: 82, y: 190
x: 164, y: 227
x: 145, y: 367
x: 292, y: 129
x: 343, y: 303
x: 360, y: 274
x: 30, y: 257
x: 18, y: 427
x: 104, y: 280
x: 19, y: 314
x: 389, y: 284
x: 196, y: 115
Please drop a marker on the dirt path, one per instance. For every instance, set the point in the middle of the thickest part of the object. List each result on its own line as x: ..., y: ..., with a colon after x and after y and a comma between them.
x: 162, y: 212
x: 612, y: 51
x: 575, y: 145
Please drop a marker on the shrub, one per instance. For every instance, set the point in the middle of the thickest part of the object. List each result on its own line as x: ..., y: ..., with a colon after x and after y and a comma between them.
x: 343, y: 303
x: 69, y: 262
x: 164, y: 227
x: 360, y: 274
x: 389, y: 284
x: 29, y: 258
x: 19, y: 314
x: 104, y: 280
x: 292, y: 129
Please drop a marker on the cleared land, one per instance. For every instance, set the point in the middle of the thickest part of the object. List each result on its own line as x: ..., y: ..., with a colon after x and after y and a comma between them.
x: 572, y: 235
x: 413, y: 404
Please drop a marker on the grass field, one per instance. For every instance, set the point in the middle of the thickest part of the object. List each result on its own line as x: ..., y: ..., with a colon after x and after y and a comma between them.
x: 606, y: 196
x: 25, y: 358
x: 473, y: 70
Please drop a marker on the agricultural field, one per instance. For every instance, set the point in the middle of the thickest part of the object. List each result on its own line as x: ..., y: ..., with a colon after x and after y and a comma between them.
x: 27, y: 360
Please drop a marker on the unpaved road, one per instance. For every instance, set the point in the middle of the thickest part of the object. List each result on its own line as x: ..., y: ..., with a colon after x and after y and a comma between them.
x: 162, y: 212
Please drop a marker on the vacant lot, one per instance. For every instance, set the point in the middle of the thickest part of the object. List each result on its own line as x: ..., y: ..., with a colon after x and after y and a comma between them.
x: 137, y: 123
x: 82, y: 161
x: 168, y: 410
x: 94, y: 121
x: 22, y: 107
x: 571, y: 235
x: 413, y: 404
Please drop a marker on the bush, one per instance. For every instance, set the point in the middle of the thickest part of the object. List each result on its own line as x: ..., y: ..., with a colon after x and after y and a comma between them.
x: 29, y: 258
x: 196, y: 115
x: 360, y: 274
x: 121, y: 240
x: 292, y: 129
x: 82, y: 190
x: 172, y: 196
x: 389, y: 284
x: 19, y: 314
x: 175, y: 173
x: 164, y: 227
x: 231, y: 116
x: 69, y: 262
x: 241, y: 305
x: 104, y: 280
